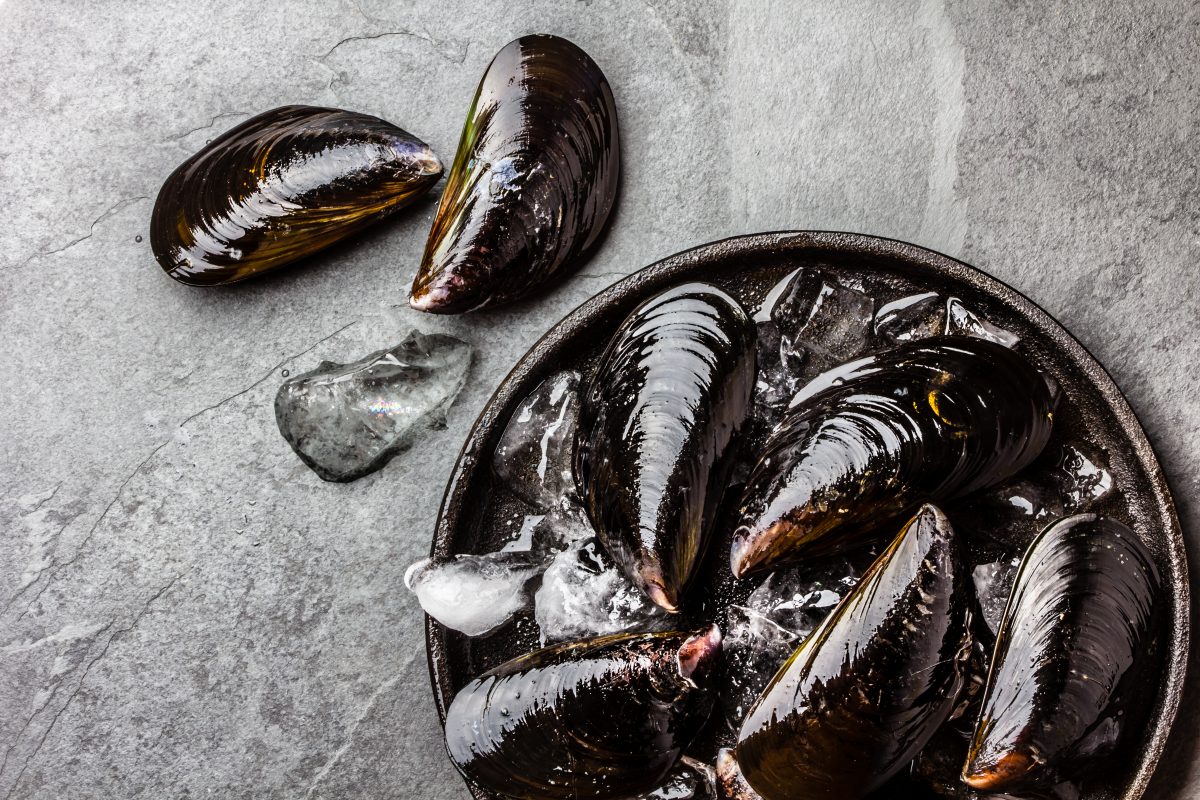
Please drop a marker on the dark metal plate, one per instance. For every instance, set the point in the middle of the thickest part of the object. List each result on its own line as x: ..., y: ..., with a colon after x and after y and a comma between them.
x: 477, y: 516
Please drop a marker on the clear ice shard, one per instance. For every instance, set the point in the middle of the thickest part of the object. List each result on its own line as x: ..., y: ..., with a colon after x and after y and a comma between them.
x: 583, y: 595
x: 689, y: 780
x: 807, y: 324
x: 920, y: 316
x: 993, y: 584
x: 348, y: 420
x: 1082, y: 479
x: 1006, y: 518
x: 535, y: 451
x: 473, y: 594
x: 775, y: 619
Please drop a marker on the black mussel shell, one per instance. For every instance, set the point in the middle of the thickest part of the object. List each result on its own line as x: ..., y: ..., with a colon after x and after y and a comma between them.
x: 1077, y: 637
x: 658, y: 417
x: 605, y: 718
x: 866, y: 442
x: 282, y: 186
x: 871, y: 686
x: 532, y: 184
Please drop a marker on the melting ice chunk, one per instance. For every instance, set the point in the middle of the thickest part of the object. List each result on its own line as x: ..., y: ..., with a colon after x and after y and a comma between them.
x: 535, y: 451
x: 583, y: 594
x: 1006, y: 518
x: 917, y: 316
x: 776, y: 618
x: 474, y: 594
x: 1081, y: 478
x: 920, y: 316
x: 993, y: 584
x: 961, y: 320
x: 689, y: 780
x: 807, y: 324
x: 347, y: 420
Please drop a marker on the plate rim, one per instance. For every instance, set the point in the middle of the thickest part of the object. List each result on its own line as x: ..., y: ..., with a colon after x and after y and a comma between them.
x: 844, y: 243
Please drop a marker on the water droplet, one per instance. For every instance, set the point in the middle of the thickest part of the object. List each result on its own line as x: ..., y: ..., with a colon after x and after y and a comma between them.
x: 286, y: 373
x: 138, y: 238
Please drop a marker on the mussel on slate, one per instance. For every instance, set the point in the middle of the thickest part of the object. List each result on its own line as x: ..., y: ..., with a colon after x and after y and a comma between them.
x: 866, y: 442
x: 658, y: 417
x: 604, y: 718
x: 870, y: 687
x: 281, y: 186
x: 532, y: 184
x: 1077, y: 636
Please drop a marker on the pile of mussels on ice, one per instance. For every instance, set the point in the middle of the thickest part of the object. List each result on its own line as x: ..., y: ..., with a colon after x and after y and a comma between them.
x: 915, y: 600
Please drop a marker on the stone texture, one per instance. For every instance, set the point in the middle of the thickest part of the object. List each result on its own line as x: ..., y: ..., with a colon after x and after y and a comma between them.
x: 187, y: 611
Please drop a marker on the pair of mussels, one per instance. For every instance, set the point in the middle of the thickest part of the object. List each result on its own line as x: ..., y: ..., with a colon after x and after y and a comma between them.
x: 532, y: 184
x: 871, y: 441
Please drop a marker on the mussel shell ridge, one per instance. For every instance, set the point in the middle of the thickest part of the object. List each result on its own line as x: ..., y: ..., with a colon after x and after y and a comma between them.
x: 667, y: 399
x: 1078, y: 633
x: 605, y: 718
x: 280, y: 187
x: 871, y: 686
x: 532, y: 183
x: 866, y: 442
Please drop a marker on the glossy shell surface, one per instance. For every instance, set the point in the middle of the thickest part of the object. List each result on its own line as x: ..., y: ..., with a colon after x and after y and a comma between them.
x: 1077, y: 643
x: 282, y: 186
x: 865, y: 442
x: 658, y: 418
x: 871, y: 686
x: 476, y: 512
x: 606, y: 718
x: 532, y: 183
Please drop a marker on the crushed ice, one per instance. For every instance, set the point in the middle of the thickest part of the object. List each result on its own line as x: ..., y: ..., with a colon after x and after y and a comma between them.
x: 533, y: 456
x: 474, y: 594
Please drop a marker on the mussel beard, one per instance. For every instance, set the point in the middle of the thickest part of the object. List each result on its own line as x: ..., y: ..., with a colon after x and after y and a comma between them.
x: 532, y: 183
x: 866, y: 442
x: 657, y: 423
x: 1077, y: 637
x: 281, y: 186
x: 870, y: 687
x: 605, y: 718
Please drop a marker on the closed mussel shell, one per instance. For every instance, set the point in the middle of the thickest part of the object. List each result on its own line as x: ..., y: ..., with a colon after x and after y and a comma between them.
x: 1078, y: 634
x: 656, y: 425
x: 871, y: 686
x: 866, y: 442
x: 280, y: 187
x: 532, y: 183
x: 604, y: 718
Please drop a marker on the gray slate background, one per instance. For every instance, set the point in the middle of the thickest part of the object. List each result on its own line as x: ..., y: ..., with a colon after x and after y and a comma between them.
x: 186, y: 611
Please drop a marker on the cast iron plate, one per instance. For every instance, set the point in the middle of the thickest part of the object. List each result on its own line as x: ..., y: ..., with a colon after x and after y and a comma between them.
x: 478, y: 516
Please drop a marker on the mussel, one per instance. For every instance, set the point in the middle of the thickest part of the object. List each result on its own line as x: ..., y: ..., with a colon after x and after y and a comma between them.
x: 658, y: 417
x: 1077, y: 637
x: 282, y: 186
x: 866, y: 442
x: 605, y: 718
x: 870, y: 687
x: 532, y: 184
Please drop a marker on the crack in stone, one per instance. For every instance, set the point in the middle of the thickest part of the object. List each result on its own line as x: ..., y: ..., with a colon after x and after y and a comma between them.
x: 211, y: 123
x: 57, y: 566
x: 52, y: 544
x: 78, y: 686
x: 437, y: 44
x: 113, y: 209
x: 349, y: 741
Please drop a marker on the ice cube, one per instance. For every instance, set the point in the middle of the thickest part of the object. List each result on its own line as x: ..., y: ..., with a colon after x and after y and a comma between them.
x: 962, y: 321
x: 915, y: 316
x: 821, y: 322
x: 583, y: 594
x: 474, y: 594
x: 523, y: 542
x: 775, y: 619
x: 993, y: 584
x: 562, y: 526
x: 1007, y: 517
x: 348, y: 420
x: 1083, y: 479
x: 688, y: 780
x: 535, y: 451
